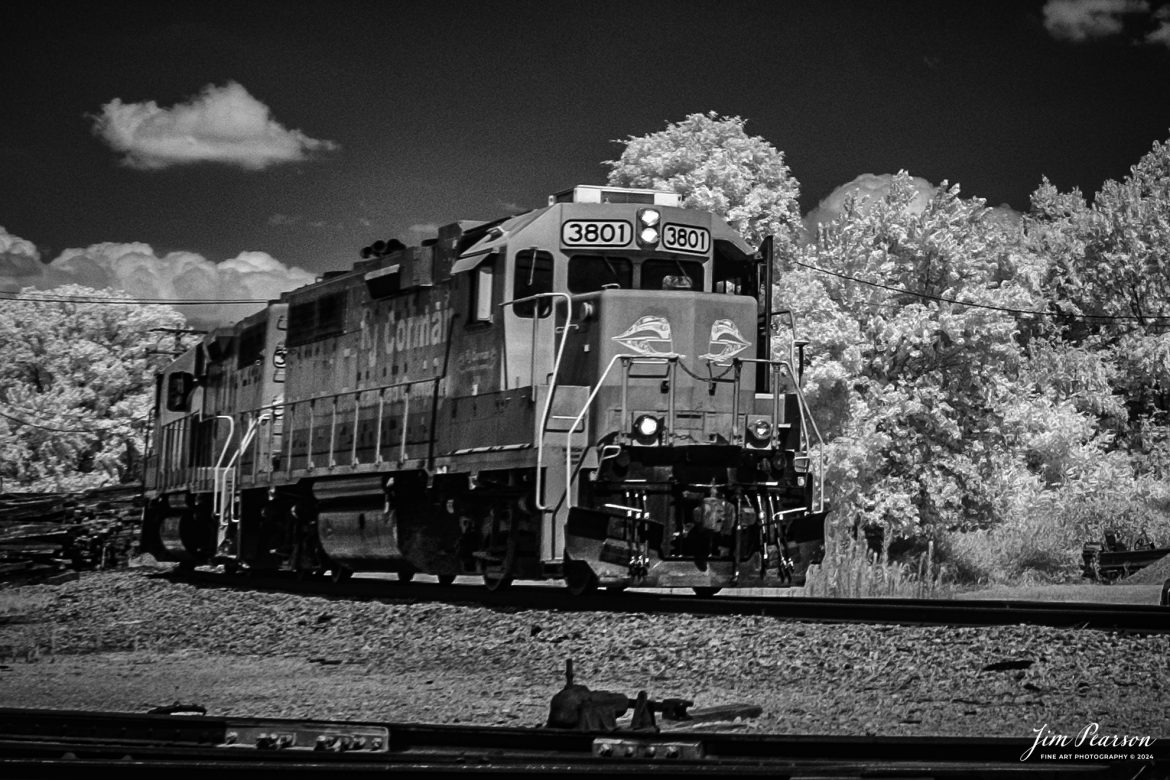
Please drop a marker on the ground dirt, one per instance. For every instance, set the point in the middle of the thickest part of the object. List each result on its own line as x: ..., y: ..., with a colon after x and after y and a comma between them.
x: 132, y: 640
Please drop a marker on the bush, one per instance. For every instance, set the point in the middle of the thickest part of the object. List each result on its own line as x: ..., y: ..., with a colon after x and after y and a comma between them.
x: 1043, y: 535
x: 851, y: 569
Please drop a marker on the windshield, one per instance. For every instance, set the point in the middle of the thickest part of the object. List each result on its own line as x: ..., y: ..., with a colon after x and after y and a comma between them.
x: 590, y: 273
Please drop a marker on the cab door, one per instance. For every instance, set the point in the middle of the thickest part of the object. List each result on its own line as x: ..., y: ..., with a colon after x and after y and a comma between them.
x: 529, y: 321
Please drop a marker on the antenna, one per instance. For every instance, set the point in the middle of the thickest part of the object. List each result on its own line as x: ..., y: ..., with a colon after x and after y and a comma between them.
x: 178, y: 334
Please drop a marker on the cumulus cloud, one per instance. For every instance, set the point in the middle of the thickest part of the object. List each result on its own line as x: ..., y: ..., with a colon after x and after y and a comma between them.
x: 1082, y: 20
x: 220, y: 125
x: 19, y: 260
x: 867, y: 187
x: 421, y: 231
x: 135, y: 269
x: 1161, y: 34
x: 1005, y: 216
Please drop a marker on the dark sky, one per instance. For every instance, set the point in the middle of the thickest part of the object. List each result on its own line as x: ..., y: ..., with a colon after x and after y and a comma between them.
x: 441, y: 111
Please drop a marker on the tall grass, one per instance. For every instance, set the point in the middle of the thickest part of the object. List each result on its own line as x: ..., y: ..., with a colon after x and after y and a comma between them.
x: 851, y: 570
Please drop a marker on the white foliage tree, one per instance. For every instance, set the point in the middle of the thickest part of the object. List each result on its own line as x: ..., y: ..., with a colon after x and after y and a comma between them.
x: 76, y: 387
x: 713, y: 163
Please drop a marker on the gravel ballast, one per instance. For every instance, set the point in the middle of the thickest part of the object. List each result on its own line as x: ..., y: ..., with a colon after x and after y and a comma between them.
x: 129, y: 641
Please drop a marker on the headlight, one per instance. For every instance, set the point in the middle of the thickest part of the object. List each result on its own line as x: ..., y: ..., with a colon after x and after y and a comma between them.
x: 648, y: 220
x: 646, y: 429
x: 759, y: 433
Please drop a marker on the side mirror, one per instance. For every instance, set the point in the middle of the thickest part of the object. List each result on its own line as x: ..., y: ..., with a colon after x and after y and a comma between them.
x: 179, y: 387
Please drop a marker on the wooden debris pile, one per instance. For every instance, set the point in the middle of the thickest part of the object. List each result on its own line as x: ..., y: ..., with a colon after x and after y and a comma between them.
x: 45, y: 534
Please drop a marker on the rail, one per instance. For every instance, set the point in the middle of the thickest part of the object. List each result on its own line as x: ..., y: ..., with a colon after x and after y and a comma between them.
x: 1148, y: 618
x: 40, y: 743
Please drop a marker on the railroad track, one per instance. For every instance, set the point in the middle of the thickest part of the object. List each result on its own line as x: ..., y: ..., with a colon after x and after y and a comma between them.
x: 1107, y: 617
x: 40, y: 743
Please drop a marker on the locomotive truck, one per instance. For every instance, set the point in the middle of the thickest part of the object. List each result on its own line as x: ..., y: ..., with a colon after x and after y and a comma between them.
x: 585, y: 391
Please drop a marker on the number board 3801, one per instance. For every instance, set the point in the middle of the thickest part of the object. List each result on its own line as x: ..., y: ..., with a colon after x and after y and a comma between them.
x: 596, y: 232
x: 686, y: 238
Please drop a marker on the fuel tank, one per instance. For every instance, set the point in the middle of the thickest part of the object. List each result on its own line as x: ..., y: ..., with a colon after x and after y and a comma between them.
x: 356, y: 526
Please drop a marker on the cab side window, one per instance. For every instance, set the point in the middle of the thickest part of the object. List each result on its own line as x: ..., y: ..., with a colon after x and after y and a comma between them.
x: 482, y: 282
x: 733, y: 277
x: 534, y: 276
x: 179, y: 387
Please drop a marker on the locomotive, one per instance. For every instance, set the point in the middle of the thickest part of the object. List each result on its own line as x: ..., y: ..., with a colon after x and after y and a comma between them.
x: 584, y: 391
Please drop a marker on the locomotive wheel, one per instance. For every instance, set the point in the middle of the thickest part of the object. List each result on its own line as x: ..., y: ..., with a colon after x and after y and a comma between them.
x: 446, y: 579
x: 706, y: 591
x: 405, y: 575
x: 495, y: 583
x: 340, y: 574
x: 615, y: 588
x: 579, y: 578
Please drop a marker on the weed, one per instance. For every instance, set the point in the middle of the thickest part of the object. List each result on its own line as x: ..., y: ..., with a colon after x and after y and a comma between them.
x: 850, y: 569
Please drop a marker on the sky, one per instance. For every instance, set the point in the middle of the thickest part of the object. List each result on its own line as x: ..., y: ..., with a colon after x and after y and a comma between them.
x: 236, y: 149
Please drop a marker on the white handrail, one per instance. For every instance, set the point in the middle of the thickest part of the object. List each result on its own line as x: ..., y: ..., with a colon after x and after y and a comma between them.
x: 226, y: 516
x: 581, y: 415
x: 215, y: 506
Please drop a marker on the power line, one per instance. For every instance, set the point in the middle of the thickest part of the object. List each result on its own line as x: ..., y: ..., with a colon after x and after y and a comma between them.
x: 944, y: 299
x: 72, y: 419
x: 50, y: 427
x: 8, y: 296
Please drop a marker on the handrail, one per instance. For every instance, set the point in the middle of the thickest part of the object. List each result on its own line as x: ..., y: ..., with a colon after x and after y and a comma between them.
x: 332, y: 399
x: 225, y: 517
x: 539, y: 488
x: 806, y: 422
x: 215, y: 506
x: 812, y: 423
x: 584, y: 409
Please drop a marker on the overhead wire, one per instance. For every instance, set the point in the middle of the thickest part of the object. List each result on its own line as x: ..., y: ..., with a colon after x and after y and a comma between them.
x: 1007, y: 309
x: 128, y: 301
x: 131, y: 301
x: 55, y: 429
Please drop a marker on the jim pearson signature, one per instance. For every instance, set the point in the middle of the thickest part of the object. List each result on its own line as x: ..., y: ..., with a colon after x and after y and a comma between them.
x: 1090, y: 735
